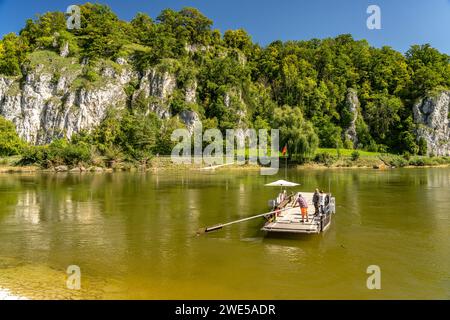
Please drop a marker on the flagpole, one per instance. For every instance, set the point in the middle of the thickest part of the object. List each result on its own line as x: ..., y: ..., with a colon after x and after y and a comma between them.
x: 285, y: 167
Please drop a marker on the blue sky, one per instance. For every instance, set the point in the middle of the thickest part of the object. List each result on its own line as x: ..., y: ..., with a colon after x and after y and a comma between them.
x: 404, y: 22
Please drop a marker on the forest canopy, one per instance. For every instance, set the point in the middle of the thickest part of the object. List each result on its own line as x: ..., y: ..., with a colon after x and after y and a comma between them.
x: 299, y: 86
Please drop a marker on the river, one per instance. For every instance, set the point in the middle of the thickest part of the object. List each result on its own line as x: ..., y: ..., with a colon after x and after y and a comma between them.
x: 133, y: 236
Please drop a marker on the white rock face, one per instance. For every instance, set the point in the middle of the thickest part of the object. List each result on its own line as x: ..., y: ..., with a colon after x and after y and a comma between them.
x: 352, y: 104
x: 159, y: 86
x: 49, y: 103
x: 44, y: 106
x: 190, y: 119
x: 191, y: 93
x: 121, y: 61
x: 233, y: 100
x: 432, y: 116
x: 64, y: 51
x: 193, y: 48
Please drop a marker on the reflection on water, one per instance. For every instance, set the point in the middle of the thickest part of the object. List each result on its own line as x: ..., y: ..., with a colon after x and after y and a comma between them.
x: 134, y: 236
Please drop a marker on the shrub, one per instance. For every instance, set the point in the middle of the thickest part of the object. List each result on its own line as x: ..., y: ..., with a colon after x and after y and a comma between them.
x: 406, y: 155
x: 417, y: 161
x: 34, y: 155
x: 395, y: 161
x: 325, y: 158
x: 91, y: 75
x: 10, y: 143
x: 348, y: 144
x: 58, y: 152
x: 355, y: 155
x: 63, y: 152
x: 423, y: 147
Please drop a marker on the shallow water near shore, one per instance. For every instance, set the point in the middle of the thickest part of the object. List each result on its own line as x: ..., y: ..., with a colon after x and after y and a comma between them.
x: 133, y: 235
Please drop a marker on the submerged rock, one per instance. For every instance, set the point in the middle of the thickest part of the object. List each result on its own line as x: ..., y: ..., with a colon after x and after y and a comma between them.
x: 61, y: 168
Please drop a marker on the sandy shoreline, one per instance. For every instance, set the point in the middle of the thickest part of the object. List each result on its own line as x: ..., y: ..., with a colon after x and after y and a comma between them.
x: 5, y: 294
x: 167, y: 167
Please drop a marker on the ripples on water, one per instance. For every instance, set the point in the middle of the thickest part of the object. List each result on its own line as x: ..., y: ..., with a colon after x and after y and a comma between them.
x: 133, y: 236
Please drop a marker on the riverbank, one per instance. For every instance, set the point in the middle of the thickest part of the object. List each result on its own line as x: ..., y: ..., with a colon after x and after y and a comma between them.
x: 163, y: 163
x: 325, y: 159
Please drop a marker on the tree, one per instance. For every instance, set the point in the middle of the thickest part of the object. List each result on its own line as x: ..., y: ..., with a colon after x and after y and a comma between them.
x: 164, y: 144
x: 238, y: 39
x: 239, y: 83
x: 138, y: 135
x: 381, y: 113
x: 188, y: 25
x: 407, y: 137
x: 40, y: 32
x: 430, y: 69
x: 389, y: 71
x: 10, y: 143
x: 12, y: 53
x: 423, y: 147
x: 329, y: 133
x: 295, y: 132
x: 142, y: 27
x: 101, y: 33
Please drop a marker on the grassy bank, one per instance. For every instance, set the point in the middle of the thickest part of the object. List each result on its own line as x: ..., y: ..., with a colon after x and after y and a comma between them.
x: 323, y: 158
x: 13, y: 164
x: 356, y: 159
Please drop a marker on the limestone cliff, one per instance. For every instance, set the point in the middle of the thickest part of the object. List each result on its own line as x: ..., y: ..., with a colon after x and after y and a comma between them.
x: 46, y: 104
x: 55, y: 97
x: 351, y: 109
x: 155, y: 88
x: 190, y: 119
x: 431, y: 114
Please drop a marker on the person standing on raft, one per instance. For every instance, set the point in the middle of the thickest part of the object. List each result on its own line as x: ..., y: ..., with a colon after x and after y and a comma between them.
x: 303, y: 207
x: 322, y: 202
x: 316, y: 198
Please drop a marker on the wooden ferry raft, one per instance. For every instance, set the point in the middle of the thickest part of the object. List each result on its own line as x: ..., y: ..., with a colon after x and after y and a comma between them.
x: 289, y: 219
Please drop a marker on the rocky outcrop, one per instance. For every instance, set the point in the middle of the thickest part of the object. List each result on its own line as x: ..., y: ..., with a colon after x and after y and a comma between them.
x: 431, y: 114
x: 233, y: 100
x: 59, y: 96
x: 191, y: 93
x: 154, y: 90
x: 190, y: 119
x: 194, y: 48
x: 48, y: 103
x: 351, y: 109
x: 64, y: 50
x: 44, y: 107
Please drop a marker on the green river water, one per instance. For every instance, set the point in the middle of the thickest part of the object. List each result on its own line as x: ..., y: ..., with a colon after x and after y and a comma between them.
x: 133, y: 235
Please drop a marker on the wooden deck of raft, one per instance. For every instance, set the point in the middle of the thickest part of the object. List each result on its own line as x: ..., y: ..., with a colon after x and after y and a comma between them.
x: 291, y: 220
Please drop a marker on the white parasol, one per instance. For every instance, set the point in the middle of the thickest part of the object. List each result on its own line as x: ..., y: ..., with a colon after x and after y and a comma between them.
x: 282, y: 183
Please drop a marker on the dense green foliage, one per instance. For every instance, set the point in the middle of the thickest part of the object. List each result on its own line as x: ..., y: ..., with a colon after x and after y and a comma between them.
x: 10, y: 143
x: 297, y: 86
x: 122, y: 136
